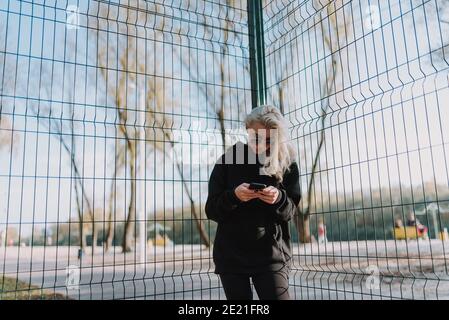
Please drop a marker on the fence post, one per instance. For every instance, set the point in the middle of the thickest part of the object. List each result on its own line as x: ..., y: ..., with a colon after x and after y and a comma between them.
x: 256, y: 53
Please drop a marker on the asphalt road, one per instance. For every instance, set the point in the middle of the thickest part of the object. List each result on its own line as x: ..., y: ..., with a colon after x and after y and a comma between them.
x: 340, y: 270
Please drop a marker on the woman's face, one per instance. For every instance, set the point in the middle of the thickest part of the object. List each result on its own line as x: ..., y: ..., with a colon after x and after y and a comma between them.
x: 259, y: 138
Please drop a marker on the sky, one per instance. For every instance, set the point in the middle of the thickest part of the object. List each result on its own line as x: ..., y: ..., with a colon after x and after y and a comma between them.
x: 373, y: 140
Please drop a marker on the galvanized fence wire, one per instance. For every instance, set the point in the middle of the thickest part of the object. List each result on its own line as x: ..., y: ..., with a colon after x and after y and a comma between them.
x: 364, y: 85
x: 112, y: 114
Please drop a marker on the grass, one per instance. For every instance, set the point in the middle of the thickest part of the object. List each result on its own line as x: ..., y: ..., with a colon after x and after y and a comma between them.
x: 14, y: 289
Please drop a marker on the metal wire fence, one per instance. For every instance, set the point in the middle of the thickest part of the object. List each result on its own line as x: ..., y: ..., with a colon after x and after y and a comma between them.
x: 364, y: 85
x: 113, y: 113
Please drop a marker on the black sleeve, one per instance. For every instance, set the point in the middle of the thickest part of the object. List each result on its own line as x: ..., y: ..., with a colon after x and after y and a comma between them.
x: 285, y: 208
x: 221, y: 202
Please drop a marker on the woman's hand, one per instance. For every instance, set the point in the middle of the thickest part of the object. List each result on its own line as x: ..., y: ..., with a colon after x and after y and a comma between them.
x: 244, y: 194
x: 269, y: 194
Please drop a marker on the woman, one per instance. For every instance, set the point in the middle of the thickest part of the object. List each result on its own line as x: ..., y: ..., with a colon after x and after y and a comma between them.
x: 253, y: 238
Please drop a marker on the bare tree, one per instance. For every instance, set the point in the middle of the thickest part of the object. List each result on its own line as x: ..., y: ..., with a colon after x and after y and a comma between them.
x: 44, y: 115
x: 334, y: 36
x: 158, y: 118
x: 132, y: 61
x: 224, y: 32
x: 119, y: 93
x: 216, y: 61
x: 68, y: 143
x: 8, y: 137
x: 119, y: 163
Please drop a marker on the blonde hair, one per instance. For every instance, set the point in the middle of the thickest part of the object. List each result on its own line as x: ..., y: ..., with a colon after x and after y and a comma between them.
x: 282, y: 153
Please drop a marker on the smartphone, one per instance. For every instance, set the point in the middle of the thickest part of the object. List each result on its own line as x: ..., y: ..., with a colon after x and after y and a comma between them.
x: 257, y: 186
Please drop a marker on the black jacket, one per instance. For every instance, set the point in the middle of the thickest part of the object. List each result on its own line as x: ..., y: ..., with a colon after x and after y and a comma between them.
x: 251, y: 236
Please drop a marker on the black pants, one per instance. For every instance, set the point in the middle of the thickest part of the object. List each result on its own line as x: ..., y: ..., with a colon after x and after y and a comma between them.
x: 269, y: 285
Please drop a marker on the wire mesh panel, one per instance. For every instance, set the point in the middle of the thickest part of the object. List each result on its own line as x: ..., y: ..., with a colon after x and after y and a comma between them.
x: 112, y: 113
x: 364, y: 85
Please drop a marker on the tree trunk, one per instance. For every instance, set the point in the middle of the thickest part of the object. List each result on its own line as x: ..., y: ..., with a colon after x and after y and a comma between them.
x: 80, y: 217
x: 220, y: 113
x: 109, y: 226
x: 82, y: 237
x: 110, y: 231
x: 203, y: 235
x: 224, y: 49
x: 94, y: 238
x: 109, y: 235
x: 128, y: 235
x: 302, y: 222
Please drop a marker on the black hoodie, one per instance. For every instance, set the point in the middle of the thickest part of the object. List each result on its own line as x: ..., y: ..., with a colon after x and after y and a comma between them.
x: 251, y: 236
